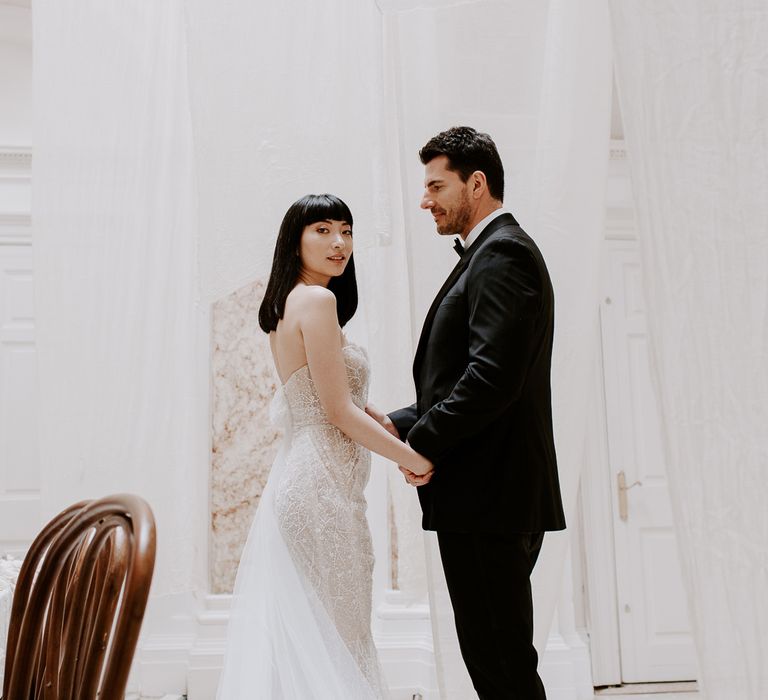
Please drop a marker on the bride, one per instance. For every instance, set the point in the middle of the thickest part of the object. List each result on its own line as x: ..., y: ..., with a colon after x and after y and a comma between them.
x: 300, y: 622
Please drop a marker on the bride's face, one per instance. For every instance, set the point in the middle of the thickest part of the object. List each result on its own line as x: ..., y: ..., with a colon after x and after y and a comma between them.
x: 324, y: 250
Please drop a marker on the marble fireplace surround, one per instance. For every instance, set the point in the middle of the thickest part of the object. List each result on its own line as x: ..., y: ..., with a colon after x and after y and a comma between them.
x: 244, y: 442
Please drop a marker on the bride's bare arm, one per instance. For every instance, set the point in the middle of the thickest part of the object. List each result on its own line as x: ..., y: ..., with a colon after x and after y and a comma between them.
x: 322, y: 342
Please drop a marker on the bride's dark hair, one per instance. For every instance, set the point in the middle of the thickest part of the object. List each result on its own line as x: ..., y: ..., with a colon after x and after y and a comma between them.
x: 286, y: 263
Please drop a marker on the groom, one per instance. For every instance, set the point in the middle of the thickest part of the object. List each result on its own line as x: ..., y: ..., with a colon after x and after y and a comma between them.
x: 483, y: 414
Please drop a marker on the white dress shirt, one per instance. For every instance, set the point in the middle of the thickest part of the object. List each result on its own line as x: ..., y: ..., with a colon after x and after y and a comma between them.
x: 475, y: 232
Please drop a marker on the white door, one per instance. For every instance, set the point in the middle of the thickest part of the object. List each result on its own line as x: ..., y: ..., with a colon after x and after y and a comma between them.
x: 654, y: 631
x: 19, y: 461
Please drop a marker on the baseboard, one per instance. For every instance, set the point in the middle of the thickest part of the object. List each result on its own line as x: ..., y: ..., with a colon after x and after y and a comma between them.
x: 403, y: 636
x: 565, y: 668
x: 402, y: 633
x: 184, y: 660
x: 162, y: 660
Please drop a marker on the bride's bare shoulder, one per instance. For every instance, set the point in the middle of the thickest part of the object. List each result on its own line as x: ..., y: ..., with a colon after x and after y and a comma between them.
x: 310, y: 298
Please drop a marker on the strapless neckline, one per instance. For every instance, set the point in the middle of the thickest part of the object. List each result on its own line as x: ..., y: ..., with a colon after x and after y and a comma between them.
x: 305, y: 366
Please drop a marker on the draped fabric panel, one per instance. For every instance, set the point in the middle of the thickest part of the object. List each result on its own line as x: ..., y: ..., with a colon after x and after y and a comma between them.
x: 568, y: 205
x: 122, y: 405
x: 545, y: 99
x: 170, y: 139
x: 286, y: 99
x: 289, y: 98
x: 693, y: 83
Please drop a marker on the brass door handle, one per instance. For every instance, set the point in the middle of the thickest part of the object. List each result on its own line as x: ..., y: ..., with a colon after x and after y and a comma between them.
x: 623, y: 488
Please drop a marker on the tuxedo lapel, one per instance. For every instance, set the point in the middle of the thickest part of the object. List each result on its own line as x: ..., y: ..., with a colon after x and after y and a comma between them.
x: 505, y: 219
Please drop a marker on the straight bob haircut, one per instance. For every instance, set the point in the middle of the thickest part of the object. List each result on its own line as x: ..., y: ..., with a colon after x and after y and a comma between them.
x: 286, y: 263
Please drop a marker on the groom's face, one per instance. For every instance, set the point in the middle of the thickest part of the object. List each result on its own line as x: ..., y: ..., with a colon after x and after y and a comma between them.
x: 447, y: 197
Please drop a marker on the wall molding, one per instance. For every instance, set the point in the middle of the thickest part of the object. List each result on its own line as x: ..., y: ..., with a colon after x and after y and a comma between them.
x: 620, y: 221
x: 16, y: 158
x: 618, y: 149
x: 15, y: 195
x: 15, y: 228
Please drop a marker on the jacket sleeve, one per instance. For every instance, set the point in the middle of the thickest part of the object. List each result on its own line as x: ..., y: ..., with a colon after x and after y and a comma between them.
x: 504, y: 292
x: 404, y: 419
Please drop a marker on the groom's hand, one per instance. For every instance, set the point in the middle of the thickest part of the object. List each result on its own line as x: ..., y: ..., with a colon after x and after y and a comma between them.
x: 383, y: 419
x: 415, y: 479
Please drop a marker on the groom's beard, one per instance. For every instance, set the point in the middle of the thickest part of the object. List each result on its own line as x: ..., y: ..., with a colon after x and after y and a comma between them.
x: 456, y: 221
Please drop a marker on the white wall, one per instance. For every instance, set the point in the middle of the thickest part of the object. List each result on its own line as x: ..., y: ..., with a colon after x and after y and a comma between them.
x: 15, y: 76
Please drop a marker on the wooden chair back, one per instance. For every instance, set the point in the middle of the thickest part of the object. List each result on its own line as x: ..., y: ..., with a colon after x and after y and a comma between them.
x: 79, y: 602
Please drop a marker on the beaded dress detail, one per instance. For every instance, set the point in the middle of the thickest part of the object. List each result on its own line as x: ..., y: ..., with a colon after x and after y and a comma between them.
x: 315, y: 507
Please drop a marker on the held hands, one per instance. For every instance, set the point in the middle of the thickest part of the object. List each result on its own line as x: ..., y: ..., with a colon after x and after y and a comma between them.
x: 416, y: 479
x: 411, y: 477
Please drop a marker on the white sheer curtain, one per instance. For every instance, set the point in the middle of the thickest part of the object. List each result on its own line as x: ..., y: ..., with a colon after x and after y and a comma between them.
x: 122, y: 405
x: 288, y: 98
x: 172, y: 136
x: 567, y: 219
x: 545, y: 98
x: 170, y: 139
x: 692, y: 82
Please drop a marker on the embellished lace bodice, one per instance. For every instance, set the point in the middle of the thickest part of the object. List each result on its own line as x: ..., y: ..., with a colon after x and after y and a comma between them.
x: 301, y: 395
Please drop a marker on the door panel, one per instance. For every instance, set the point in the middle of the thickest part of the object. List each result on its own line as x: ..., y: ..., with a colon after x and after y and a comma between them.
x: 654, y: 630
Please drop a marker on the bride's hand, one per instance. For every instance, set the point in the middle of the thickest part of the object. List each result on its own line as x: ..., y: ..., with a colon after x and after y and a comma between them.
x: 422, y: 466
x: 416, y: 479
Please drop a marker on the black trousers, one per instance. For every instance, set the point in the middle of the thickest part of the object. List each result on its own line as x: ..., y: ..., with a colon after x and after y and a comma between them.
x: 489, y: 581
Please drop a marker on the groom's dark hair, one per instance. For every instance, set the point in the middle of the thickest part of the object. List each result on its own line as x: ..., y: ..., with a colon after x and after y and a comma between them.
x: 467, y: 151
x: 286, y: 263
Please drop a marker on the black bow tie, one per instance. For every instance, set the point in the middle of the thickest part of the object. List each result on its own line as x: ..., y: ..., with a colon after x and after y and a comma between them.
x: 458, y: 247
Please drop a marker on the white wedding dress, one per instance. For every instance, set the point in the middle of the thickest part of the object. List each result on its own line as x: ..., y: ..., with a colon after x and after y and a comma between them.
x: 300, y: 622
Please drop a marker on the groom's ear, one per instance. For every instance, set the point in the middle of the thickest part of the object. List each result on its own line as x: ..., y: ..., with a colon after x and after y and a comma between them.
x: 478, y: 184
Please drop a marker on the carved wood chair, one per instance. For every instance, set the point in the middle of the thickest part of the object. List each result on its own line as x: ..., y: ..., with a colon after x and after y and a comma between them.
x: 79, y: 602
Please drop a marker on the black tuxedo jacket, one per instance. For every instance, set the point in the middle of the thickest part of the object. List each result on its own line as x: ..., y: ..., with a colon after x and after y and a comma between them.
x: 483, y: 411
